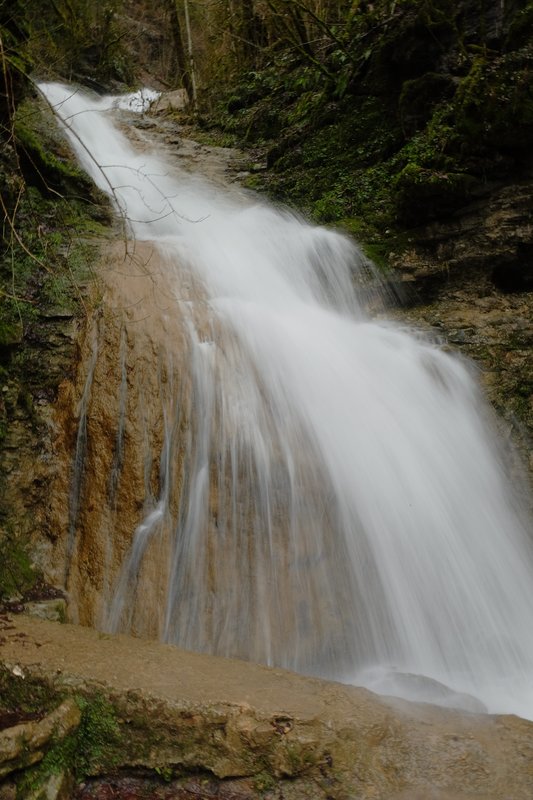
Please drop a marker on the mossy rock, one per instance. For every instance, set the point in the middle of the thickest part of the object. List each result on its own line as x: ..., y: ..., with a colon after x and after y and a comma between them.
x: 419, y: 96
x: 25, y: 695
x: 493, y: 107
x: 11, y: 332
x: 423, y: 194
x: 410, y: 46
x: 45, y: 158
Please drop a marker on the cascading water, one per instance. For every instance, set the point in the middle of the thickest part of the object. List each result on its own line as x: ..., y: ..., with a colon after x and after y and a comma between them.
x: 328, y: 497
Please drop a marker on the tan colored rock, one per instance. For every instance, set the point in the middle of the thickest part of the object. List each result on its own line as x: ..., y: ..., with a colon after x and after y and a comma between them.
x: 15, y: 751
x: 170, y: 101
x: 56, y: 787
x: 11, y: 743
x: 8, y: 791
x: 26, y: 744
x: 310, y: 738
x: 58, y: 724
x: 54, y: 610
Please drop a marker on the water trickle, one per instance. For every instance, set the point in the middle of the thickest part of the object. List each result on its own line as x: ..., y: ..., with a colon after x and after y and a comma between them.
x: 321, y: 491
x: 80, y: 453
x: 118, y: 454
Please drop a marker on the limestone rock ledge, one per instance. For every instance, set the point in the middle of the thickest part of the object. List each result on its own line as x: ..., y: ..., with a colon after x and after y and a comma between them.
x: 24, y: 744
x: 285, y: 735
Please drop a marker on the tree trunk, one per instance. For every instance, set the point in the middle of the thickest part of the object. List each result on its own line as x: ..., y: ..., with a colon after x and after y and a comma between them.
x: 192, y: 74
x: 181, y: 56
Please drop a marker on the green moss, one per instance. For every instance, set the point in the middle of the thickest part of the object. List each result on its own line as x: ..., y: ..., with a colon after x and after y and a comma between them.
x: 34, y: 147
x: 44, y: 259
x: 90, y: 749
x: 422, y: 194
x: 43, y: 153
x: 26, y: 695
x: 419, y: 96
x: 264, y: 782
x: 330, y: 207
x: 92, y: 746
x: 10, y: 330
x: 378, y: 253
x: 17, y: 574
x: 298, y: 759
x: 493, y: 106
x: 166, y: 773
x: 430, y: 109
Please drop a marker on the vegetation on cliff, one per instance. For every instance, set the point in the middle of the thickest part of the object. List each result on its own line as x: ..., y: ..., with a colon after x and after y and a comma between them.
x: 49, y: 209
x: 385, y: 115
x: 404, y: 111
x: 381, y: 116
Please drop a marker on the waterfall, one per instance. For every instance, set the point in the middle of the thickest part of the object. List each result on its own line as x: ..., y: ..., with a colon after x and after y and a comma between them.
x: 327, y: 494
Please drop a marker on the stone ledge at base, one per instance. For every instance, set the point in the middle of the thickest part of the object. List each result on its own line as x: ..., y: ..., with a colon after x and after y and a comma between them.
x: 22, y: 745
x: 289, y: 736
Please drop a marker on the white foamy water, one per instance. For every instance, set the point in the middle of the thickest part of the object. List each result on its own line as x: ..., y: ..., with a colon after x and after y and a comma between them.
x: 345, y: 511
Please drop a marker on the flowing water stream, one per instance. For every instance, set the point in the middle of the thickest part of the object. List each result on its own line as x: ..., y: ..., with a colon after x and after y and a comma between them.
x: 327, y: 495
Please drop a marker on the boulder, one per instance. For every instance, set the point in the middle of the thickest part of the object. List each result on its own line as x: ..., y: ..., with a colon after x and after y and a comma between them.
x: 25, y: 744
x: 170, y: 101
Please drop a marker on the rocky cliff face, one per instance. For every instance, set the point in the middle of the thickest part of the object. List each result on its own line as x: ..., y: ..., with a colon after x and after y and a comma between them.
x: 45, y: 268
x: 468, y: 279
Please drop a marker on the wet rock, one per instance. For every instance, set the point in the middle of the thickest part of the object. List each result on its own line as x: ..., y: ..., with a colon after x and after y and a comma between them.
x: 421, y: 689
